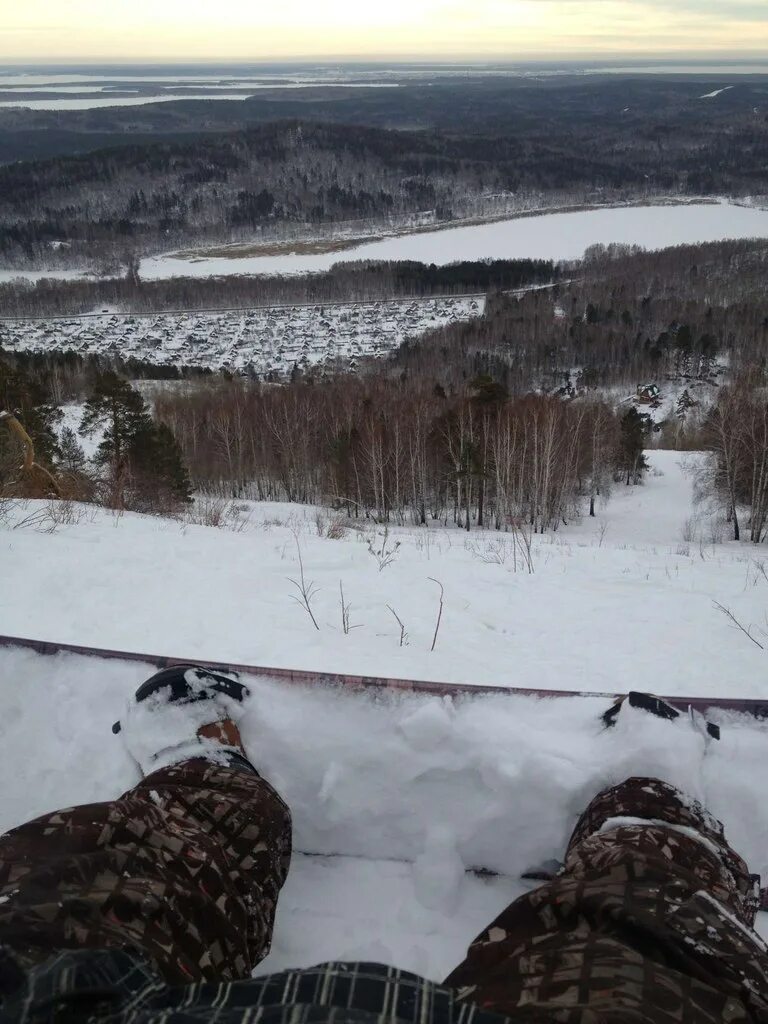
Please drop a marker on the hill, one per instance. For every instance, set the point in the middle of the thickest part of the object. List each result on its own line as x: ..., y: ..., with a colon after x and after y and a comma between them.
x: 380, y: 790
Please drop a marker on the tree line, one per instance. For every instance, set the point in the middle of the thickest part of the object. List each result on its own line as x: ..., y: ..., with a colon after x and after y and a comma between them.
x: 345, y: 282
x: 736, y: 432
x: 397, y: 451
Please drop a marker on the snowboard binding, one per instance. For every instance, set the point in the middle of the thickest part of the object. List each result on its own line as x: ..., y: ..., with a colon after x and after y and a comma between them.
x: 660, y: 708
x: 205, y: 684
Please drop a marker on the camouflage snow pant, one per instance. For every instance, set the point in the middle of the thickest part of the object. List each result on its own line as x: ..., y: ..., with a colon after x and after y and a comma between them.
x: 187, y: 867
x: 649, y: 921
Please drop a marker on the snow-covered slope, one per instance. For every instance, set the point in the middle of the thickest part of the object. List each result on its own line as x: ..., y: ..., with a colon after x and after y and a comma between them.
x: 424, y: 787
x: 622, y: 598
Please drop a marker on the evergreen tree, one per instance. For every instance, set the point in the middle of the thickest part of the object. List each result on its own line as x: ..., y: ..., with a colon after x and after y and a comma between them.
x: 169, y: 469
x: 28, y: 397
x: 632, y: 461
x: 121, y: 411
x: 71, y: 455
x: 143, y: 460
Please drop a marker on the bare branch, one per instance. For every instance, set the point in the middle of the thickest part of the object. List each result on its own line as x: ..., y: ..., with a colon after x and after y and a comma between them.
x: 729, y: 614
x: 307, y: 591
x: 403, y: 633
x: 345, y: 610
x: 439, y: 611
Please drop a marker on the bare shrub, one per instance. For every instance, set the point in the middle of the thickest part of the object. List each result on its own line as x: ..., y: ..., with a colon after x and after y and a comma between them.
x: 218, y: 513
x: 267, y: 524
x: 336, y: 529
x: 492, y: 552
x: 384, y: 552
x: 346, y: 608
x: 307, y: 589
x: 49, y: 517
x: 64, y: 512
x: 690, y: 530
x: 332, y: 527
x: 6, y: 507
x: 403, y: 631
x: 732, y: 618
x: 208, y: 511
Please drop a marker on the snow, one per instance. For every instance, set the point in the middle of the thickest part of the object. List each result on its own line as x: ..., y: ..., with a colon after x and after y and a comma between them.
x: 717, y: 92
x: 556, y: 236
x: 394, y: 819
x: 624, y: 589
x: 33, y: 276
x: 395, y: 798
x: 265, y: 339
x: 552, y: 236
x: 111, y: 101
x: 72, y: 417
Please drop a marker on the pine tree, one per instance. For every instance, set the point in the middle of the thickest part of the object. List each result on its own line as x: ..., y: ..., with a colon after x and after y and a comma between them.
x: 632, y: 461
x: 129, y: 444
x: 71, y: 455
x: 121, y: 410
x: 169, y: 469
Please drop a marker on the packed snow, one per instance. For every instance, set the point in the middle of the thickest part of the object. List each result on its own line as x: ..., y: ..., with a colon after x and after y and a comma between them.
x: 393, y: 799
x: 268, y: 340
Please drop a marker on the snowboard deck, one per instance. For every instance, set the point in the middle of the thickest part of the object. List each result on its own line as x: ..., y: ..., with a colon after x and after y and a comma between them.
x: 340, y: 846
x: 757, y: 708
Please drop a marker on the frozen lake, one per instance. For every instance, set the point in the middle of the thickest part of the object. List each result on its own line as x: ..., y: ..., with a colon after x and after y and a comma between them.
x: 556, y: 236
x: 121, y: 89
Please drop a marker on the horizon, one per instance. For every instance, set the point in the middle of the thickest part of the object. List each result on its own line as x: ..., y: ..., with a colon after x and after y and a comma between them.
x: 515, y: 31
x: 495, y: 61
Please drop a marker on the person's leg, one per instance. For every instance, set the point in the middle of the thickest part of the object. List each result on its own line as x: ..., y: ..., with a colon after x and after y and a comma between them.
x: 186, y: 867
x: 650, y: 919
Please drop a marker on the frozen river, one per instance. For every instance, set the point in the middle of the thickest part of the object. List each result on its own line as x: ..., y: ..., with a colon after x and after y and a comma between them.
x: 556, y: 236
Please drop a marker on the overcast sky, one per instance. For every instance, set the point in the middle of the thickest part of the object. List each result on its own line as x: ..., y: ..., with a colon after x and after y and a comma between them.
x: 146, y: 30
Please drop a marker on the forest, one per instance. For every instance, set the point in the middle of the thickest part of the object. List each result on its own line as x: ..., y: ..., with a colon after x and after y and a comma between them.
x: 508, y: 422
x: 285, y: 167
x: 115, y: 205
x: 345, y: 282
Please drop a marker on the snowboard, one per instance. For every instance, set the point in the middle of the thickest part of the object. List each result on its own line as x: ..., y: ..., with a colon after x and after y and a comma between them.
x: 386, y: 814
x: 757, y: 708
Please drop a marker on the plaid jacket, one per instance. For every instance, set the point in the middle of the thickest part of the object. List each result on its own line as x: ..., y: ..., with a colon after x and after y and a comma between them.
x: 121, y: 987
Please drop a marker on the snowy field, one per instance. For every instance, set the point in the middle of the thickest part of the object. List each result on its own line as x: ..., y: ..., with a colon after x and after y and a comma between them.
x: 556, y: 236
x: 265, y: 340
x: 399, y: 796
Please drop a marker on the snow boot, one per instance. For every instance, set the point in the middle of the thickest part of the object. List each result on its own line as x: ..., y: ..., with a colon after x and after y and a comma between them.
x: 645, y: 751
x: 661, y: 709
x: 185, y: 712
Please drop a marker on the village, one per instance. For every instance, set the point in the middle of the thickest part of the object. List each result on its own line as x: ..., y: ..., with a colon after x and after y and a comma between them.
x: 265, y: 342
